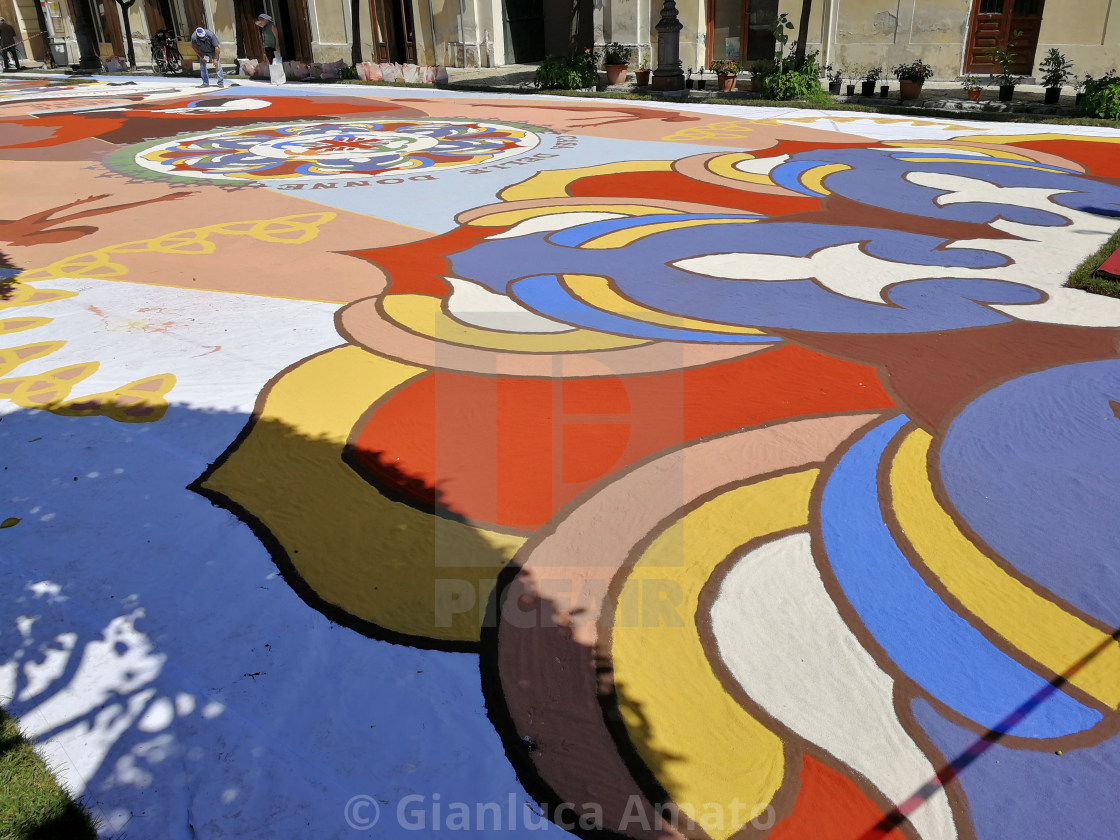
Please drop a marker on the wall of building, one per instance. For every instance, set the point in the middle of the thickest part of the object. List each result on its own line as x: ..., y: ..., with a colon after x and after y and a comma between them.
x: 876, y: 33
x: 1086, y: 31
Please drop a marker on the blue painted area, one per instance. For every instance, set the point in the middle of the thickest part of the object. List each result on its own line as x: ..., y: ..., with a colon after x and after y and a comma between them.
x: 644, y: 272
x: 327, y: 714
x: 547, y: 295
x: 878, y: 178
x: 1033, y: 466
x: 930, y: 643
x: 789, y: 174
x: 1027, y: 794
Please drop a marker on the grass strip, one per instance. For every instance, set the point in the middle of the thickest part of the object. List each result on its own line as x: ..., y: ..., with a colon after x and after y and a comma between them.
x: 32, y: 804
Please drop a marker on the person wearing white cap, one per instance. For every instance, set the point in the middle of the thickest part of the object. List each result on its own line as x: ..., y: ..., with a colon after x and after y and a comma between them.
x: 268, y: 35
x: 206, y: 47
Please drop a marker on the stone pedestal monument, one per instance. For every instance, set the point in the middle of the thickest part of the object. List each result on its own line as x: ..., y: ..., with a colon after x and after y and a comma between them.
x: 669, y: 75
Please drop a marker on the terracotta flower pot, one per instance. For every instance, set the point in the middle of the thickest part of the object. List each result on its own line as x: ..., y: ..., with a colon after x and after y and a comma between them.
x: 1052, y: 95
x: 616, y: 74
x: 641, y: 78
x: 973, y: 94
x: 908, y: 89
x: 726, y: 81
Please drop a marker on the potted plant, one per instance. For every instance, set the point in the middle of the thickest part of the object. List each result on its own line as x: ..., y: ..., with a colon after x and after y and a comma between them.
x: 759, y: 69
x: 641, y: 75
x: 1004, y: 58
x: 869, y: 76
x: 972, y: 86
x: 727, y: 73
x: 835, y: 76
x: 911, y: 77
x: 615, y: 59
x: 1055, y: 73
x: 1079, y: 83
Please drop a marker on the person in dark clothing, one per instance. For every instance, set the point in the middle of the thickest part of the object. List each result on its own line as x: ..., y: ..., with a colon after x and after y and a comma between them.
x: 268, y: 35
x: 8, y: 46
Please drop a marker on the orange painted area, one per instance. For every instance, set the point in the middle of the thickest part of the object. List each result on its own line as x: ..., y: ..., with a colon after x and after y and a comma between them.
x: 513, y: 451
x: 829, y: 806
x: 672, y: 186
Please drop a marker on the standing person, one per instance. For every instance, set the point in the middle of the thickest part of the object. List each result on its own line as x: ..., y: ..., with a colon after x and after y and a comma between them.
x: 268, y: 35
x: 206, y: 47
x: 8, y: 45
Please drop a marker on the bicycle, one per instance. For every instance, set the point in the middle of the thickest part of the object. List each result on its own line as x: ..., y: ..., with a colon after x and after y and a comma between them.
x: 166, y: 57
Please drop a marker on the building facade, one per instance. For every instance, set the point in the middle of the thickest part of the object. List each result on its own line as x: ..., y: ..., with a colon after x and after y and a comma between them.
x: 951, y: 35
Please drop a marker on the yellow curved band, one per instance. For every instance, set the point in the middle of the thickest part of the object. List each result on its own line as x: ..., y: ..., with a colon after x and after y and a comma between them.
x: 706, y: 749
x: 1041, y: 629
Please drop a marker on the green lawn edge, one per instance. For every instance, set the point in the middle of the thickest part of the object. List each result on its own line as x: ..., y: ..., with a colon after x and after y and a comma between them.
x: 1082, y: 276
x: 33, y: 806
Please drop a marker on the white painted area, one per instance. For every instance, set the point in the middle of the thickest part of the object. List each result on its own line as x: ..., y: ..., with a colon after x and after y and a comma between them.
x: 472, y: 303
x: 761, y: 165
x: 553, y: 222
x: 214, y: 343
x: 244, y: 103
x: 769, y: 619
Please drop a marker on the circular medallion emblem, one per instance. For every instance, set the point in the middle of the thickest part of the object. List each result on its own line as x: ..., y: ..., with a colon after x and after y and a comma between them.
x: 312, y: 151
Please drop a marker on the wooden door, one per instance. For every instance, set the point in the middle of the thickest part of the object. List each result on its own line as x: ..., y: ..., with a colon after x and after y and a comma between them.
x: 248, y: 35
x: 379, y: 21
x: 394, y: 31
x: 299, y: 25
x: 998, y: 23
x: 525, y: 24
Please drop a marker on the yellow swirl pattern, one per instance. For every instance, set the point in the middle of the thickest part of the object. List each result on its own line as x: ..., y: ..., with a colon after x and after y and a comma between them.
x: 101, y: 265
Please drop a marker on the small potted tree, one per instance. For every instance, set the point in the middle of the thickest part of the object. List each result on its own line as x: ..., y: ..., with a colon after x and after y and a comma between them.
x: 972, y: 86
x: 835, y: 76
x: 727, y: 73
x: 616, y: 57
x: 641, y: 75
x: 911, y: 77
x: 869, y: 76
x: 1055, y: 73
x: 759, y: 70
x: 1004, y: 58
x: 1079, y: 83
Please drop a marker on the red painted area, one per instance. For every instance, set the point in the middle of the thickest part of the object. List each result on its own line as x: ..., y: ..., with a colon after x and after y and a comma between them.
x: 829, y: 806
x: 418, y: 268
x: 672, y: 186
x: 1100, y: 158
x: 513, y: 451
x: 134, y: 123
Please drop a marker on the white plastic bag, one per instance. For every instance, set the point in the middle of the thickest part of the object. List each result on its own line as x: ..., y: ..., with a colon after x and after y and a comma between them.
x: 276, y: 71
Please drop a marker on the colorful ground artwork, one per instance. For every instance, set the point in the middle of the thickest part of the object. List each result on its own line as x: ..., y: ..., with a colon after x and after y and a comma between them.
x: 383, y: 460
